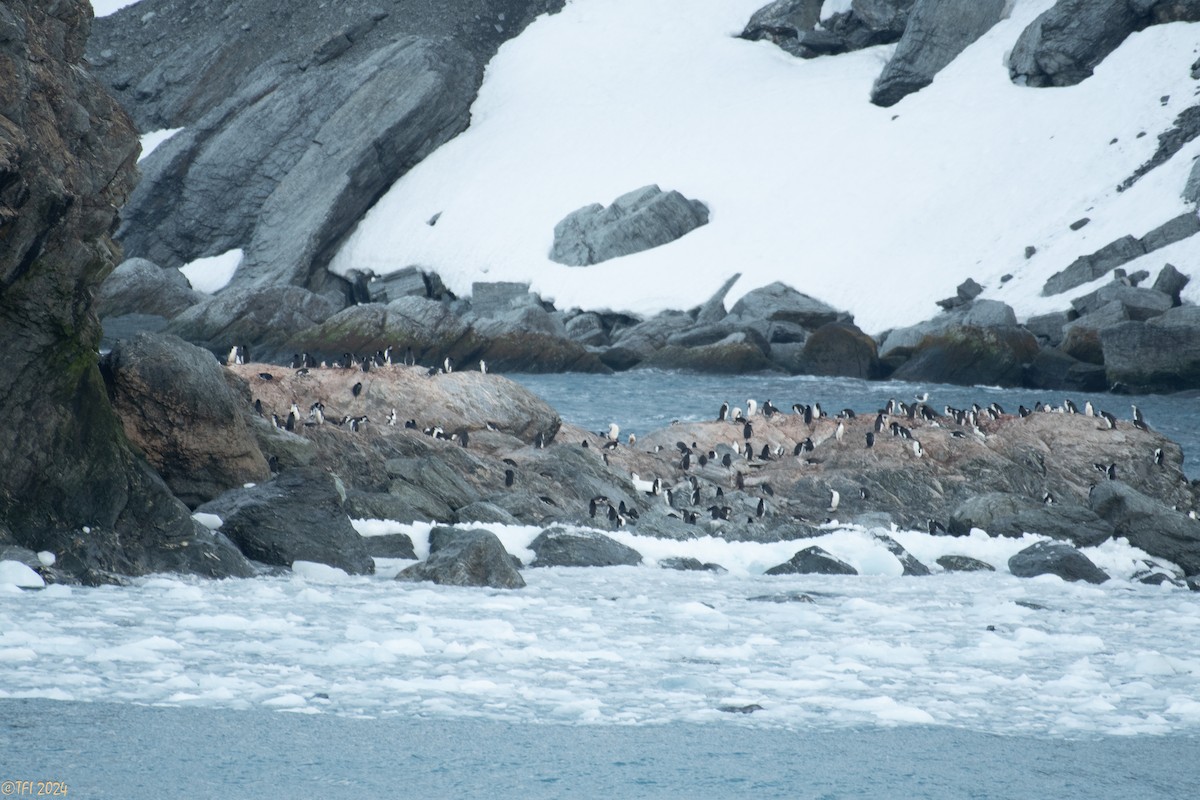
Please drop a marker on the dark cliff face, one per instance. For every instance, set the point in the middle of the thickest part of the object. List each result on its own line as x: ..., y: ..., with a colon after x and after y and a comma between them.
x: 69, y: 480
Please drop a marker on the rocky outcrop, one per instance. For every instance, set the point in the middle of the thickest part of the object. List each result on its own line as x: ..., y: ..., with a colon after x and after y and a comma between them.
x: 465, y: 558
x: 957, y: 563
x: 557, y: 547
x: 971, y: 355
x: 1149, y: 524
x: 1063, y: 45
x: 138, y: 286
x: 297, y: 516
x: 175, y: 405
x: 291, y: 131
x: 840, y: 348
x: 1055, y: 558
x: 937, y: 31
x: 812, y: 561
x: 263, y: 320
x: 71, y: 483
x: 639, y: 220
x: 792, y: 24
x: 1160, y: 355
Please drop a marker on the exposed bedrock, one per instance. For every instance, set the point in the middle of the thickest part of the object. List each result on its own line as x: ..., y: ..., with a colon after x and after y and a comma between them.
x: 70, y: 481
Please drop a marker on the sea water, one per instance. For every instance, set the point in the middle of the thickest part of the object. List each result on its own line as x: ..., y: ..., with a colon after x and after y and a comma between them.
x: 624, y: 681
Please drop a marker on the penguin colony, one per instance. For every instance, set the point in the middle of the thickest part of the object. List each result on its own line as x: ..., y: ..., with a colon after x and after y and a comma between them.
x: 722, y: 480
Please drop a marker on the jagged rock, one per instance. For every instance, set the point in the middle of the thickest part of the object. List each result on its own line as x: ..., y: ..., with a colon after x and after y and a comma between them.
x: 436, y: 476
x: 956, y: 563
x: 1065, y: 43
x: 1170, y: 282
x: 465, y: 558
x: 937, y: 31
x: 982, y: 510
x: 587, y: 329
x: 839, y: 348
x: 175, y: 405
x: 1148, y: 524
x: 907, y: 560
x: 1191, y: 190
x: 558, y: 547
x: 689, y: 565
x: 1185, y: 129
x: 1173, y: 230
x: 1161, y: 355
x: 71, y: 482
x: 298, y: 516
x: 1048, y: 328
x: 812, y: 561
x: 1081, y: 337
x: 391, y: 545
x: 713, y: 310
x: 291, y: 133
x: 650, y: 335
x: 783, y: 20
x: 1138, y: 304
x: 484, y: 511
x: 1055, y: 558
x: 491, y: 299
x: 1096, y: 265
x: 988, y: 314
x: 262, y: 320
x: 778, y: 302
x: 407, y: 282
x: 639, y: 220
x: 138, y: 286
x: 970, y: 355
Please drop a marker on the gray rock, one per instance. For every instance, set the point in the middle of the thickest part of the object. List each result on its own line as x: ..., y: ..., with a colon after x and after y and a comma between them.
x: 937, y: 31
x: 1096, y: 265
x: 558, y: 547
x: 1081, y: 337
x: 648, y: 336
x: 262, y: 320
x: 956, y: 563
x: 1170, y: 282
x: 176, y: 406
x: 1063, y: 45
x: 736, y: 354
x: 1077, y: 525
x: 782, y: 20
x: 407, y: 282
x: 784, y: 597
x: 391, y: 545
x: 465, y: 558
x: 1048, y: 328
x: 407, y: 503
x: 982, y: 510
x: 1148, y: 524
x: 587, y: 329
x: 1161, y: 355
x: 439, y: 477
x: 1052, y: 369
x: 812, y: 561
x: 1191, y: 191
x: 713, y: 309
x: 1174, y: 230
x: 778, y: 302
x: 138, y: 286
x: 1055, y: 558
x: 1138, y: 304
x: 907, y: 560
x: 127, y: 326
x: 636, y: 221
x: 970, y: 355
x: 906, y: 339
x: 989, y: 314
x: 689, y: 565
x: 298, y: 516
x: 838, y: 348
x: 491, y: 299
x: 484, y: 511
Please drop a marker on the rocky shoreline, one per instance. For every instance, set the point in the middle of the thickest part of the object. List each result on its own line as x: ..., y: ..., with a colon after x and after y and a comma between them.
x: 276, y: 461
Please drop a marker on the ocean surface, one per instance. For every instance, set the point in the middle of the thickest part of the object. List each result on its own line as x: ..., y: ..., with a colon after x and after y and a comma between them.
x: 624, y: 681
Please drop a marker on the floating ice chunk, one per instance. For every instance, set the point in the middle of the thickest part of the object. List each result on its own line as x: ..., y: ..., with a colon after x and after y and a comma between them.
x: 210, y: 521
x: 14, y: 573
x: 148, y: 650
x: 290, y: 700
x: 47, y: 558
x: 214, y: 622
x: 314, y: 571
x: 10, y: 654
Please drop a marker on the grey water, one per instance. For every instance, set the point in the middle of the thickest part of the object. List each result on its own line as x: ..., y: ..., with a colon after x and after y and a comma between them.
x: 644, y: 400
x: 132, y: 752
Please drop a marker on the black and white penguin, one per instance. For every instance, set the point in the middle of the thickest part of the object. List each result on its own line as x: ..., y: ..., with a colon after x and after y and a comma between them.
x: 356, y: 389
x: 510, y: 476
x: 1088, y: 409
x: 834, y: 499
x: 839, y: 431
x: 727, y: 460
x: 1047, y: 498
x: 237, y: 355
x: 747, y: 430
x: 410, y: 424
x: 392, y: 417
x: 685, y: 463
x: 739, y: 481
x: 808, y: 415
x: 863, y: 493
x: 1111, y: 472
x: 765, y: 454
x: 614, y: 432
x: 761, y: 509
x: 751, y: 407
x: 870, y: 439
x: 258, y: 409
x: 410, y: 360
x: 1110, y: 422
x: 918, y: 451
x: 266, y: 376
x: 539, y: 441
x: 1139, y: 421
x: 1070, y: 407
x: 723, y: 413
x: 387, y: 355
x: 769, y: 410
x: 448, y: 364
x: 1158, y: 456
x: 936, y: 527
x: 290, y: 425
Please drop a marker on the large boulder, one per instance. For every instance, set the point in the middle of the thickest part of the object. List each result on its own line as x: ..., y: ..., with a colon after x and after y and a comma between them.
x: 960, y: 563
x: 558, y: 547
x: 778, y: 302
x: 1148, y: 524
x: 298, y: 516
x: 465, y: 558
x: 1170, y: 281
x: 636, y: 221
x: 263, y: 320
x: 295, y: 118
x: 1138, y: 303
x: 70, y: 481
x: 1063, y: 45
x: 176, y: 406
x: 937, y: 31
x: 1088, y: 268
x: 812, y: 561
x: 1055, y: 558
x: 840, y: 348
x: 1161, y: 355
x: 735, y: 354
x: 1076, y: 525
x: 138, y: 286
x: 971, y: 355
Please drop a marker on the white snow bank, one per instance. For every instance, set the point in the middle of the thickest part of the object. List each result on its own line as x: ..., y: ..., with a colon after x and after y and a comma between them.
x: 213, y: 273
x: 153, y: 139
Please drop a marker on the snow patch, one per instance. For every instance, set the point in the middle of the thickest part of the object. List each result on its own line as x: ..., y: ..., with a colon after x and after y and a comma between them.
x: 214, y: 272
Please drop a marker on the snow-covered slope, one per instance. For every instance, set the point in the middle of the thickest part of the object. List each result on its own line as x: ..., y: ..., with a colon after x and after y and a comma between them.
x: 879, y: 211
